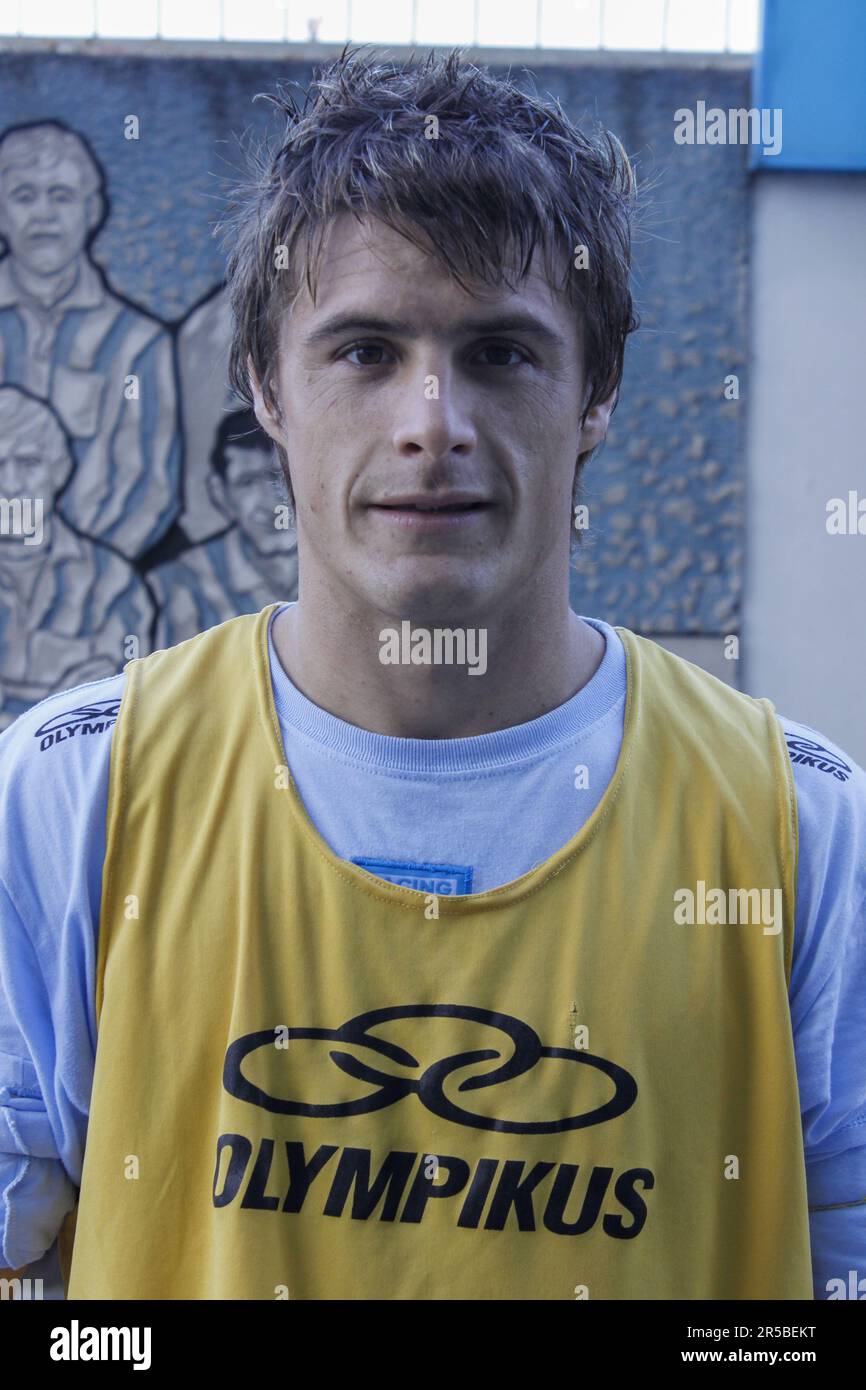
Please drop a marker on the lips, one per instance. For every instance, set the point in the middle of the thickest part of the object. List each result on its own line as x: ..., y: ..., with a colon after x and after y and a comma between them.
x: 464, y: 507
x: 434, y: 502
x: 433, y: 514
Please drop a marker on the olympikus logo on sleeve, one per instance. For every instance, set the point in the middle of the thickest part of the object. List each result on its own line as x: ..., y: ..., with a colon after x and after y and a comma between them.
x: 808, y: 753
x: 85, y: 719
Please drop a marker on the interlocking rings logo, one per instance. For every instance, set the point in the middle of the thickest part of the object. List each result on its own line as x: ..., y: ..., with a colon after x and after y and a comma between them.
x: 97, y: 709
x: 527, y: 1050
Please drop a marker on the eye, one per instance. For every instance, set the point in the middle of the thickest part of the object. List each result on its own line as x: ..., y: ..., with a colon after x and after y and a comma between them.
x: 501, y: 350
x: 365, y: 348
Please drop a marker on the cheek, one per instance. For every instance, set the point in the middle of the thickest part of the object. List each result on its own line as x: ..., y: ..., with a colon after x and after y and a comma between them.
x: 545, y: 460
x: 325, y: 440
x: 314, y: 463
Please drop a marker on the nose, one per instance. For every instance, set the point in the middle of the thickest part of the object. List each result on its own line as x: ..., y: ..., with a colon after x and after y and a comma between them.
x: 42, y: 209
x: 432, y: 416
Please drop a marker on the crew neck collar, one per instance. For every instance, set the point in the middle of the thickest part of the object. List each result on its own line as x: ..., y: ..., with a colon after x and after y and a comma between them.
x: 478, y: 752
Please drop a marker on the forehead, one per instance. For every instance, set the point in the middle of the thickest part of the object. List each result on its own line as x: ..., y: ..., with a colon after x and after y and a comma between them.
x: 21, y: 445
x: 367, y: 265
x: 45, y: 173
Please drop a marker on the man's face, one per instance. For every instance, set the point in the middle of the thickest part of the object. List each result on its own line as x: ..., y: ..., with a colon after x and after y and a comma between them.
x: 398, y: 384
x: 44, y: 214
x: 248, y: 495
x: 29, y: 474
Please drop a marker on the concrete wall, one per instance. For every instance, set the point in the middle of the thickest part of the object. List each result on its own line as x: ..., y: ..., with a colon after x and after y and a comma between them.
x: 804, y: 588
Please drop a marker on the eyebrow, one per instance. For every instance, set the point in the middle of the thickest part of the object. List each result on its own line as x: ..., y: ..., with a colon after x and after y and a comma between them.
x: 514, y: 322
x: 24, y: 180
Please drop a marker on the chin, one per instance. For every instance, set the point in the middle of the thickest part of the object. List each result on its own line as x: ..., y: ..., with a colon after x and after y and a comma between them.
x: 437, y: 598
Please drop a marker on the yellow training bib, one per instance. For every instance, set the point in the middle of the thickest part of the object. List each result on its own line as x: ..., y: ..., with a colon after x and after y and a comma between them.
x: 310, y: 1085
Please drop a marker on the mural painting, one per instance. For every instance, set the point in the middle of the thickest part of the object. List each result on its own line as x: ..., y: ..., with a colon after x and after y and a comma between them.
x: 140, y: 501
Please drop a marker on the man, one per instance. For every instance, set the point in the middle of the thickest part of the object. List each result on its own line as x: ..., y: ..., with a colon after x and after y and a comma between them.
x: 105, y: 366
x: 422, y: 975
x: 255, y: 556
x: 67, y: 603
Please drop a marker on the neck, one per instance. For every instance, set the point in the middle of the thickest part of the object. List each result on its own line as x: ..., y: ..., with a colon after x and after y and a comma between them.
x: 535, y: 662
x: 46, y: 286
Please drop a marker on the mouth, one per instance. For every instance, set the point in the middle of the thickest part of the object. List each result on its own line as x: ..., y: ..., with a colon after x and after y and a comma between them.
x: 424, y: 516
x: 425, y: 508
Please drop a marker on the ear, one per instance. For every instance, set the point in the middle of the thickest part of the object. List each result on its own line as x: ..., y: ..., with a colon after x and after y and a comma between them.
x: 95, y: 208
x: 264, y: 414
x: 594, y: 427
x: 216, y: 492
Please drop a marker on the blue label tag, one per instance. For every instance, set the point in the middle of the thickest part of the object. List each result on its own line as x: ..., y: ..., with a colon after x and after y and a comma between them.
x: 442, y: 879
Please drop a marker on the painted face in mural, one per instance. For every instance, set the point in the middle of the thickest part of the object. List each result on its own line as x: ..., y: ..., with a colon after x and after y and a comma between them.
x: 45, y: 215
x: 247, y: 495
x: 398, y: 383
x: 30, y: 474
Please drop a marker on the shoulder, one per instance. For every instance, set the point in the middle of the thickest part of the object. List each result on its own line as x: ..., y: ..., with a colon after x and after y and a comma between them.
x: 808, y: 748
x: 53, y: 758
x: 828, y: 977
x: 831, y: 789
x: 831, y: 818
x: 702, y: 721
x: 54, y: 777
x: 682, y: 676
